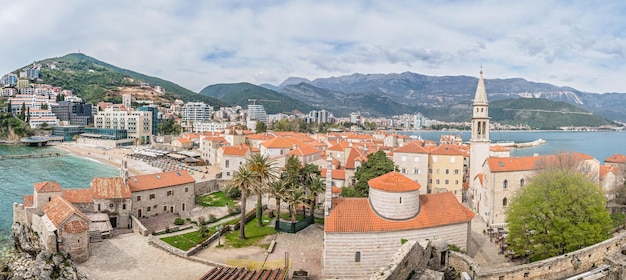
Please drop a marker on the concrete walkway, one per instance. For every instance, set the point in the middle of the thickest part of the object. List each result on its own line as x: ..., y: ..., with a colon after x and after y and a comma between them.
x: 485, y: 252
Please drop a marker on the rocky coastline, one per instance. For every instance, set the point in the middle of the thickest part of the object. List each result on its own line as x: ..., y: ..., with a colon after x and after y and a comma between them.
x: 31, y: 261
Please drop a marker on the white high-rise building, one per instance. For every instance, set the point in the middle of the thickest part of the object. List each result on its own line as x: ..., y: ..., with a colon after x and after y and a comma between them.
x: 196, y: 112
x: 257, y: 113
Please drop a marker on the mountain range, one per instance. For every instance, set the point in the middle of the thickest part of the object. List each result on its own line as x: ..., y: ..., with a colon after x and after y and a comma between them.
x: 445, y: 98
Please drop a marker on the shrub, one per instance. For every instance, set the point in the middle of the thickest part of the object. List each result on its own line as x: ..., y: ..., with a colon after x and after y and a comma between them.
x: 233, y: 193
x: 201, y: 221
x: 234, y: 209
x: 212, y: 218
x: 179, y: 221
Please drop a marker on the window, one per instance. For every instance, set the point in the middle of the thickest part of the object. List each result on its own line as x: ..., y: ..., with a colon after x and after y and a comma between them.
x: 456, y: 171
x: 98, y: 207
x: 447, y: 181
x: 447, y: 171
x: 186, y: 189
x: 452, y: 159
x: 437, y: 170
x: 49, y: 199
x: 357, y: 257
x: 456, y: 182
x: 152, y: 196
x: 139, y: 198
x: 170, y: 193
x: 226, y: 163
x: 124, y: 206
x: 456, y: 191
x: 434, y: 158
x: 403, y: 158
x: 417, y: 159
x: 403, y: 170
x: 521, y: 183
x: 430, y: 171
x: 437, y: 182
x: 505, y: 201
x: 430, y: 181
x: 164, y: 208
x: 416, y: 171
x: 149, y: 208
x: 505, y: 184
x: 400, y: 199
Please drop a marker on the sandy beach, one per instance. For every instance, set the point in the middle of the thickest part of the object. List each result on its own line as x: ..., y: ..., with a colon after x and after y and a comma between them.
x: 113, y: 157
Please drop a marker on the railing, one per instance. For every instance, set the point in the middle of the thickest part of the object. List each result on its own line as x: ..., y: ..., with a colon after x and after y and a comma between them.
x: 290, y: 227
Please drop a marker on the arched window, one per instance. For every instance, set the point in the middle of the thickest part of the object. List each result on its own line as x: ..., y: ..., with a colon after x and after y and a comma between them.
x: 357, y: 257
x: 505, y: 201
x: 521, y: 183
x: 505, y: 184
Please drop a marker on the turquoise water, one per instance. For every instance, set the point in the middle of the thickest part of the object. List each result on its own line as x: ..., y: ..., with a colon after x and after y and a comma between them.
x: 17, y: 177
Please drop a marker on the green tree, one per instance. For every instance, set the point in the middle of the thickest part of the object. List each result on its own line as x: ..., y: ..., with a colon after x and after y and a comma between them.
x: 264, y: 172
x: 260, y: 127
x: 243, y: 180
x: 277, y: 189
x: 169, y: 126
x: 23, y: 111
x: 294, y: 197
x: 377, y: 164
x: 316, y: 187
x: 560, y: 211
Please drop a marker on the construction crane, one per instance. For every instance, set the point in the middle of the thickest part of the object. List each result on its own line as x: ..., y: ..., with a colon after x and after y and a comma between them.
x: 262, y: 100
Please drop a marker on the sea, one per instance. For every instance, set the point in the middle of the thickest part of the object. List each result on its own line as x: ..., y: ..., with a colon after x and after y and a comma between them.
x: 17, y: 176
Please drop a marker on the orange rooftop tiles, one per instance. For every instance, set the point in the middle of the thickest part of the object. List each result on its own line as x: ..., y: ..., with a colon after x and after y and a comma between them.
x: 44, y: 187
x: 357, y: 215
x: 414, y: 147
x: 78, y: 195
x: 58, y: 210
x: 109, y: 188
x: 159, y: 180
x: 393, y: 182
x: 239, y: 150
x: 616, y: 158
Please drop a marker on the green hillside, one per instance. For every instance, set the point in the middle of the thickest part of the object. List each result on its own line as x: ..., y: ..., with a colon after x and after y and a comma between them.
x: 94, y: 80
x: 542, y: 114
x: 241, y: 94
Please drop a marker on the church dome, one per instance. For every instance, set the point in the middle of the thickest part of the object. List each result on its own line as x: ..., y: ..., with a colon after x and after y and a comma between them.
x: 394, y: 196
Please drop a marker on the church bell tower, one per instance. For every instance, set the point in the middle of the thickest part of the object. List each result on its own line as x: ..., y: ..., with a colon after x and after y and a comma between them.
x: 479, y: 143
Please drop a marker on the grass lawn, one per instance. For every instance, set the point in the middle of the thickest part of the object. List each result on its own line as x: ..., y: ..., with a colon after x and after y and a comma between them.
x: 186, y: 241
x: 216, y: 199
x: 254, y: 235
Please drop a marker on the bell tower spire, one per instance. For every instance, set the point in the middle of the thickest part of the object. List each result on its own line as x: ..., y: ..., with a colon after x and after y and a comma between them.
x: 479, y: 143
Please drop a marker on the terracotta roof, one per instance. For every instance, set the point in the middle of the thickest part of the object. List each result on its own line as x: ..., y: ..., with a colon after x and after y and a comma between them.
x: 281, y: 143
x: 447, y: 149
x: 393, y: 182
x: 109, y: 188
x: 356, y: 154
x: 340, y: 147
x: 357, y: 215
x: 498, y: 148
x: 261, y: 136
x: 605, y: 169
x: 304, y: 151
x: 78, y: 195
x: 45, y: 187
x: 183, y: 140
x: 480, y: 178
x: 413, y: 147
x: 239, y: 150
x: 339, y: 174
x: 75, y: 226
x: 245, y: 273
x: 616, y: 158
x: 335, y: 189
x: 58, y: 210
x: 506, y: 164
x: 159, y: 180
x: 29, y: 200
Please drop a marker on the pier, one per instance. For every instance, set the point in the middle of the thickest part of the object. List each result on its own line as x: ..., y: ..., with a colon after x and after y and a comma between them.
x: 40, y: 140
x: 30, y: 156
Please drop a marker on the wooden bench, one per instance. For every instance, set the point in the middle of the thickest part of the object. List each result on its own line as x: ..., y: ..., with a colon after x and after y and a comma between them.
x: 270, y: 249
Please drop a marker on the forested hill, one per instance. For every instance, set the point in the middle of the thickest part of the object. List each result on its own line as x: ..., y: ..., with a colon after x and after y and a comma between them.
x: 94, y: 80
x: 542, y: 114
x: 245, y: 93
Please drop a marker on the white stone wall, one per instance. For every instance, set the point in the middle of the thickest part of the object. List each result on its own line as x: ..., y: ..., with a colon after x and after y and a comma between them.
x: 395, y: 205
x: 377, y: 248
x: 76, y: 244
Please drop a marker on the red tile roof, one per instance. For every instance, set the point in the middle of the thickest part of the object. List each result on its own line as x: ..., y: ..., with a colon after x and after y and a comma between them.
x: 109, y: 188
x: 498, y: 148
x: 605, y: 169
x: 45, y: 187
x: 239, y: 150
x: 393, y: 182
x: 357, y: 215
x: 159, y: 180
x: 58, y: 210
x: 447, y: 149
x: 227, y: 273
x: 616, y: 158
x: 413, y: 147
x: 184, y: 140
x: 339, y: 147
x: 304, y: 151
x: 506, y: 164
x: 75, y: 226
x: 29, y: 200
x: 335, y: 189
x: 281, y: 143
x: 339, y: 174
x: 78, y: 195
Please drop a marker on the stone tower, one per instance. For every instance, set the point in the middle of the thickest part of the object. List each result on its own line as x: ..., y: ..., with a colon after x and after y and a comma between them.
x: 479, y: 143
x: 328, y: 194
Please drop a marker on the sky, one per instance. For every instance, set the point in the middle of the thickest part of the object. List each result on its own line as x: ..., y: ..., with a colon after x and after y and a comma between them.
x: 581, y: 44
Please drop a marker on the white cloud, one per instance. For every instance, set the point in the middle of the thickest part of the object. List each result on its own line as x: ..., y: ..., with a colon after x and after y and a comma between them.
x: 199, y: 43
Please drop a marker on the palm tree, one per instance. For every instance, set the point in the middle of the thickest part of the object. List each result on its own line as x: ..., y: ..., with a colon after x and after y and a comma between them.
x: 243, y: 180
x: 316, y: 187
x: 264, y: 172
x: 277, y: 189
x: 294, y: 196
